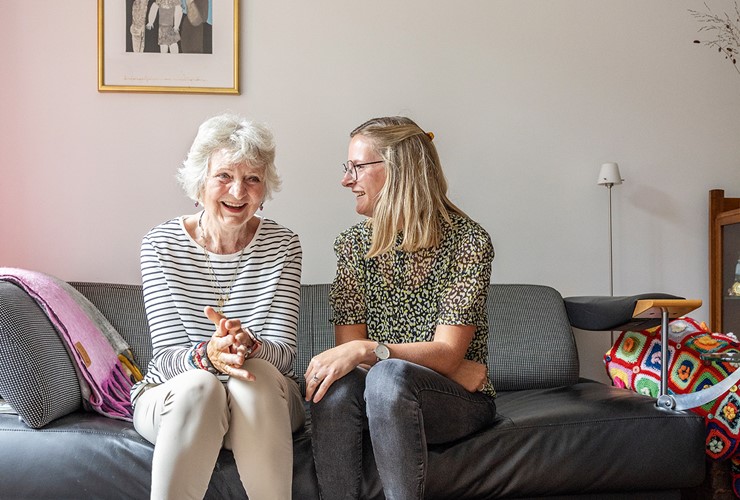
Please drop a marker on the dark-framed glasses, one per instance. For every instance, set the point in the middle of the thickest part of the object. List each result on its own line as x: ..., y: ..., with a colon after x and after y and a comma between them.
x: 354, y: 169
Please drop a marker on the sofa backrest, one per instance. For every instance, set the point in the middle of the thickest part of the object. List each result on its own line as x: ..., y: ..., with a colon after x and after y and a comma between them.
x: 315, y: 331
x: 123, y: 306
x: 531, y: 343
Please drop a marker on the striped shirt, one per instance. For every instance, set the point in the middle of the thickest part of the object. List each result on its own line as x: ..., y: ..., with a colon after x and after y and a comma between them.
x: 179, y: 283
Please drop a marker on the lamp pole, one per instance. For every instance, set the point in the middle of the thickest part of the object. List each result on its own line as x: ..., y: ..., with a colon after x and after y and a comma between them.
x: 609, y: 176
x: 611, y: 245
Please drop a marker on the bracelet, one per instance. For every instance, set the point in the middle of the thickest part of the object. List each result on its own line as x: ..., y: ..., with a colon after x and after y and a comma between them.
x: 199, y: 358
x: 256, y: 344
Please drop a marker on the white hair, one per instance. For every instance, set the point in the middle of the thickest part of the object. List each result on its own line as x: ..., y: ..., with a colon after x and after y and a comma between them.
x: 240, y: 141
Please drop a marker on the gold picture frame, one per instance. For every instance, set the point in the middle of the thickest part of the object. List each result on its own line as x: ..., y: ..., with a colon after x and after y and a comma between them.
x: 137, y: 54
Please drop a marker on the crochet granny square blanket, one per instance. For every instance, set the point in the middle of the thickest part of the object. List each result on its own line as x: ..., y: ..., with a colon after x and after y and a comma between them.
x: 634, y: 362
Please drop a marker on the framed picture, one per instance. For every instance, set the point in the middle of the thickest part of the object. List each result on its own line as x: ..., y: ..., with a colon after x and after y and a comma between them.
x: 178, y: 46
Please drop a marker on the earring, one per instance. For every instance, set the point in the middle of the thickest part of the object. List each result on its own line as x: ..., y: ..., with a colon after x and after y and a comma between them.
x: 196, y: 204
x: 262, y: 206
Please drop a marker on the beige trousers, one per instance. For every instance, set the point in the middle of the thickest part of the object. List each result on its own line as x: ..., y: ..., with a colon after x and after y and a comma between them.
x: 191, y: 416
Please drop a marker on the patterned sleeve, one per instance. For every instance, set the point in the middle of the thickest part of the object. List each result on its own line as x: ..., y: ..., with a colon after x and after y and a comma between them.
x: 346, y: 296
x: 463, y: 298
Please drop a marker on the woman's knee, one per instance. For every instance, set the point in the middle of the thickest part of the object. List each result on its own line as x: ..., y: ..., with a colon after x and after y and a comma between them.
x: 268, y: 383
x: 389, y: 377
x: 265, y: 374
x: 344, y: 392
x: 197, y: 388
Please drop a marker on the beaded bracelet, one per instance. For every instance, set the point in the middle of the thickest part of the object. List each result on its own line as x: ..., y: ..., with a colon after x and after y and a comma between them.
x: 199, y: 358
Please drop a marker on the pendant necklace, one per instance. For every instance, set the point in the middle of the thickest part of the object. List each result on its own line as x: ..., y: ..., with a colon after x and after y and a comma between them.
x: 222, y: 297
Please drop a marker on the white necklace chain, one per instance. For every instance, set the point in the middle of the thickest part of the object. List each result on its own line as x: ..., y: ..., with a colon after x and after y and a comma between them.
x: 222, y: 297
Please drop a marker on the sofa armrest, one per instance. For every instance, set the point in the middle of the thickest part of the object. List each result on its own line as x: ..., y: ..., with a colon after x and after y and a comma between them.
x: 604, y: 313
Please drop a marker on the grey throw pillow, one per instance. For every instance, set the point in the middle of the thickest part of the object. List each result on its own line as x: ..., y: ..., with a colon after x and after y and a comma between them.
x: 37, y: 376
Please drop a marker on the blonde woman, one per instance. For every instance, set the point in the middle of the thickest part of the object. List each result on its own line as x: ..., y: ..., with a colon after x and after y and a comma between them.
x: 410, y: 321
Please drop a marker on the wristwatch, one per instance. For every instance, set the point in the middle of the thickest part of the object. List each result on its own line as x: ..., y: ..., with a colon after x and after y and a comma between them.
x: 381, y: 351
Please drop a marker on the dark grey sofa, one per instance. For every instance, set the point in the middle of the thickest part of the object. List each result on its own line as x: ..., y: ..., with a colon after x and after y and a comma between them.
x: 556, y: 435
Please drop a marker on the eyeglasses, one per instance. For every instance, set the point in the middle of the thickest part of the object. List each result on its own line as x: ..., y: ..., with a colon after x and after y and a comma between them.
x: 354, y: 168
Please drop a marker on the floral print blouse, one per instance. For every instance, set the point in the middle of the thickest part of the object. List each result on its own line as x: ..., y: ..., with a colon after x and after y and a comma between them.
x: 403, y: 296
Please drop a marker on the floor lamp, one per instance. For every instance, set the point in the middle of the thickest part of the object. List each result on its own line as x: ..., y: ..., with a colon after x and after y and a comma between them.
x: 609, y: 176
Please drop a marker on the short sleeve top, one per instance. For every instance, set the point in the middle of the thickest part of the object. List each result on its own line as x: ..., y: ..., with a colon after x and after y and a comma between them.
x: 403, y: 296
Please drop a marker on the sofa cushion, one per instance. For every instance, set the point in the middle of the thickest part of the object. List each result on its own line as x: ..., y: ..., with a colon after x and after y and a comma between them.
x: 86, y: 455
x: 315, y: 330
x: 123, y: 306
x: 82, y: 455
x: 531, y: 343
x: 585, y: 438
x: 37, y: 376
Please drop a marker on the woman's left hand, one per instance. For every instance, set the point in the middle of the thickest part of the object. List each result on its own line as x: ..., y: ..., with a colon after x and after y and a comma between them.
x: 471, y: 375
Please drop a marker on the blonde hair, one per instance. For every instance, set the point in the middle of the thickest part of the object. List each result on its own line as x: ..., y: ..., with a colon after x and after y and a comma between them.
x: 414, y: 196
x: 241, y: 141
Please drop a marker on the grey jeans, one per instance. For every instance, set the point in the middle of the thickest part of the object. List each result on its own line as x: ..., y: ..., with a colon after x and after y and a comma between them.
x: 405, y: 407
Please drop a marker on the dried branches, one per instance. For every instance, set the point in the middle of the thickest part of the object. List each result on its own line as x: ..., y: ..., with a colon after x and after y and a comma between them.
x: 724, y: 30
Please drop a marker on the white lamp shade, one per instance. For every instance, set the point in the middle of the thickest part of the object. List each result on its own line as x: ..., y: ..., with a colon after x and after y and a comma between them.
x: 609, y: 174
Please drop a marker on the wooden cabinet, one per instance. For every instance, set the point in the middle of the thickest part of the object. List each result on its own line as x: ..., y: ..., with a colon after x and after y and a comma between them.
x: 724, y: 262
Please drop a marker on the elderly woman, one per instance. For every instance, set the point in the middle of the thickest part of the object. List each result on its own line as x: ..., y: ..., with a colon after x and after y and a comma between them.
x: 221, y: 290
x: 410, y: 320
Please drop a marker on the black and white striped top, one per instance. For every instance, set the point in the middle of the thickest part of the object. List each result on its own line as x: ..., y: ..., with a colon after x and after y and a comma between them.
x: 178, y: 284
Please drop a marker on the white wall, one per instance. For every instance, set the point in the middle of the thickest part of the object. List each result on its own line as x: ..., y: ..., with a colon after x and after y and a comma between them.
x: 526, y: 98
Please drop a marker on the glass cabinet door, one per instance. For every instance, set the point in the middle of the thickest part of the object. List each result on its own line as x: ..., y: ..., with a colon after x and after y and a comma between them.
x: 731, y: 277
x: 724, y: 262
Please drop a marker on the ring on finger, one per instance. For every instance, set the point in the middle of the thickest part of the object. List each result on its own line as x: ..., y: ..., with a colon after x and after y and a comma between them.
x: 314, y: 379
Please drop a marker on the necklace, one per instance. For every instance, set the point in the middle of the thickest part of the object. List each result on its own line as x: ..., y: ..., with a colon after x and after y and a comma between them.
x: 222, y: 297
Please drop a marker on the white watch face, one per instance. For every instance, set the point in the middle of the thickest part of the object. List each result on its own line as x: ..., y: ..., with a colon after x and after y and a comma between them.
x: 382, y: 351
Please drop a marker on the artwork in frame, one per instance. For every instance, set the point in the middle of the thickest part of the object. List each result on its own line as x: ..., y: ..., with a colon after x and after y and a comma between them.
x: 168, y: 46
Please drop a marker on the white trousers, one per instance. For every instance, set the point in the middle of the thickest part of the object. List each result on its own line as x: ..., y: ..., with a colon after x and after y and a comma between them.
x: 191, y: 416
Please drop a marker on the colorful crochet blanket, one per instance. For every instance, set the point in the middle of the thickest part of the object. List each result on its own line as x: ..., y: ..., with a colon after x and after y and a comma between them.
x: 633, y: 362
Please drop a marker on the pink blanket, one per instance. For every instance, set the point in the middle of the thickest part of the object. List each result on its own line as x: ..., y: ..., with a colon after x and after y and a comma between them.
x: 104, y: 378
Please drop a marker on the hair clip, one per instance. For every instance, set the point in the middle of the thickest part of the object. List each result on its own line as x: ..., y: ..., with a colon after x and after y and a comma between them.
x: 431, y: 135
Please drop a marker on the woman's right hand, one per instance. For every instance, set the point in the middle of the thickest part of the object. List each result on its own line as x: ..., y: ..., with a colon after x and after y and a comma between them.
x: 223, y: 349
x: 331, y: 365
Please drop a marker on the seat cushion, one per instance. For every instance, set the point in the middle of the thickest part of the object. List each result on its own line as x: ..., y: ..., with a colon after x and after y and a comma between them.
x: 86, y: 455
x: 37, y: 376
x: 589, y: 437
x: 82, y: 454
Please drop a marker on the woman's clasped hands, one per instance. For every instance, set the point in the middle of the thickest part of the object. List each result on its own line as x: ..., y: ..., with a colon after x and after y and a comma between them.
x: 230, y: 346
